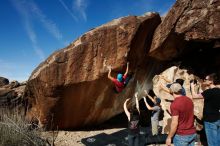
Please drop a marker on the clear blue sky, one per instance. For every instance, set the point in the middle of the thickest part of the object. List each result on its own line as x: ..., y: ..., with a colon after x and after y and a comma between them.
x: 31, y: 30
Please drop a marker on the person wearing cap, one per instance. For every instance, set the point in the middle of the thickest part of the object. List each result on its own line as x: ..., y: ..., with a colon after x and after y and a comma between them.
x: 120, y: 81
x: 182, y: 128
x: 211, y: 110
x: 156, y: 109
x: 166, y: 89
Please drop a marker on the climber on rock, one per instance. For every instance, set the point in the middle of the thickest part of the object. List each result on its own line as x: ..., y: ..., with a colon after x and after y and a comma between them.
x: 121, y: 80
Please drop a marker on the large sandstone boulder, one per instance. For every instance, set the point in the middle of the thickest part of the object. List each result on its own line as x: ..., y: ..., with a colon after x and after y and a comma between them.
x: 71, y: 87
x: 172, y: 74
x: 190, y: 24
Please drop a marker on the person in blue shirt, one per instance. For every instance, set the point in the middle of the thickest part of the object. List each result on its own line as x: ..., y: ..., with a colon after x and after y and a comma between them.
x: 156, y: 109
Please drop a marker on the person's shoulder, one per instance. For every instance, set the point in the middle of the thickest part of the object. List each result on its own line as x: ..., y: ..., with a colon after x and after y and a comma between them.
x: 188, y: 99
x: 177, y: 100
x: 216, y: 89
x: 156, y: 107
x: 174, y: 105
x: 211, y: 90
x: 125, y: 75
x: 184, y: 98
x: 114, y: 80
x: 207, y: 91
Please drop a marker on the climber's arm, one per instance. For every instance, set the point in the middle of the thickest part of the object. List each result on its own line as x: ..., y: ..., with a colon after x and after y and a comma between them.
x: 194, y: 95
x: 109, y: 74
x: 147, y: 105
x: 164, y: 88
x: 126, y: 109
x: 165, y: 79
x: 126, y: 72
x: 150, y: 97
x: 168, y: 100
x: 137, y: 102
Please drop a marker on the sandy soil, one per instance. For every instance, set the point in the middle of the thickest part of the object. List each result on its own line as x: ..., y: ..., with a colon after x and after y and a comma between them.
x: 73, y: 138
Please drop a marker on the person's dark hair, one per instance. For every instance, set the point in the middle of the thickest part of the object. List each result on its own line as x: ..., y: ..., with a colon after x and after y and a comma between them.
x: 214, y: 77
x: 158, y: 101
x: 193, y: 81
x: 142, y: 105
x: 180, y: 81
x: 151, y: 93
x: 134, y: 111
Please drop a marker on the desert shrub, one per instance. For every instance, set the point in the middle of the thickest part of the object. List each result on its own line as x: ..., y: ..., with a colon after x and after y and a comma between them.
x: 15, y: 131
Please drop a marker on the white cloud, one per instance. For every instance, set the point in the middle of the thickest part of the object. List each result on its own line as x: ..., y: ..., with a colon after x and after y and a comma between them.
x: 39, y: 52
x: 30, y: 31
x: 68, y: 10
x: 23, y: 10
x: 27, y: 9
x: 49, y: 25
x: 80, y: 6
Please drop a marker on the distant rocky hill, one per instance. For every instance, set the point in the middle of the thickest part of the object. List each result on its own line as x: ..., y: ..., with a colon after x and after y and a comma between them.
x: 71, y: 89
x: 11, y: 93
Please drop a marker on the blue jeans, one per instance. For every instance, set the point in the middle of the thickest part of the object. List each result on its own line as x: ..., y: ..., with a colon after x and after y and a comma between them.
x: 212, y: 130
x: 133, y: 140
x: 184, y: 140
x: 144, y: 132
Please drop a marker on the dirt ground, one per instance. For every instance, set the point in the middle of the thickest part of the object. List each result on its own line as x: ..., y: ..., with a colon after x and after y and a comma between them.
x: 73, y: 138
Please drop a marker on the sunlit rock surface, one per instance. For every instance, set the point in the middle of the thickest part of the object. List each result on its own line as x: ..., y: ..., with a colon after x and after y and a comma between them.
x: 3, y: 81
x: 11, y: 95
x: 190, y: 24
x: 71, y: 88
x: 172, y: 74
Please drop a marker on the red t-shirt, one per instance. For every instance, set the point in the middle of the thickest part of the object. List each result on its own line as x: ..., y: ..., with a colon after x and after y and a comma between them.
x: 119, y: 85
x: 183, y: 107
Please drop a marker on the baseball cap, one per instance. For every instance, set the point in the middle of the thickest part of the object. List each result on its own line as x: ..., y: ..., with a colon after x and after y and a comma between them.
x: 176, y: 88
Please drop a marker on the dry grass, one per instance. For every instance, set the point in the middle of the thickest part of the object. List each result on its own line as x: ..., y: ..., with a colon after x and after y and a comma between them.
x: 15, y: 131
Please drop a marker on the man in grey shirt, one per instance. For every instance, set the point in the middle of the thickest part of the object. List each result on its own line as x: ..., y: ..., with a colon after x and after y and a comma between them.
x: 155, y: 112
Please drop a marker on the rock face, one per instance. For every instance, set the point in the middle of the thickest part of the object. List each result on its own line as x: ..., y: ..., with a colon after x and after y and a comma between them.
x: 188, y: 36
x: 3, y: 81
x: 190, y: 24
x: 172, y: 74
x: 71, y: 87
x: 11, y: 95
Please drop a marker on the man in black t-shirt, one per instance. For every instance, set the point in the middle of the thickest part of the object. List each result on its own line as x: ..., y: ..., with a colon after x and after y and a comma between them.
x: 211, y: 110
